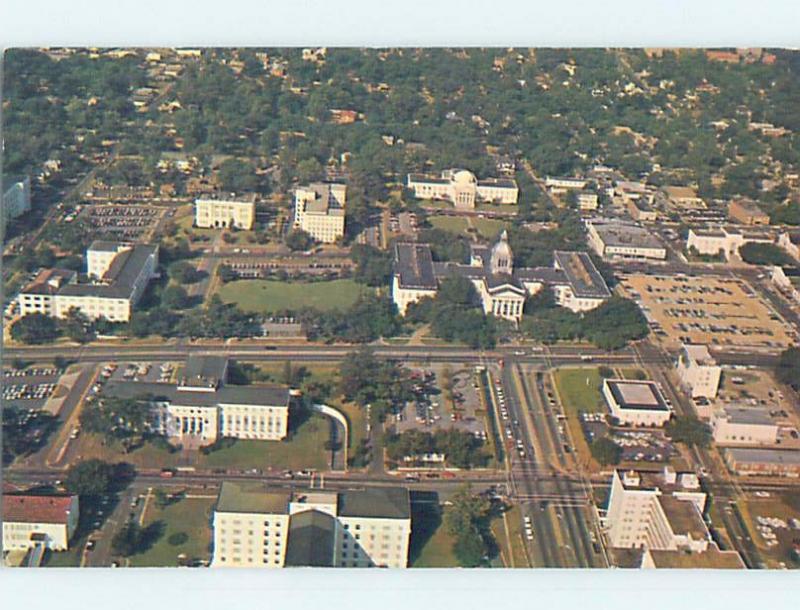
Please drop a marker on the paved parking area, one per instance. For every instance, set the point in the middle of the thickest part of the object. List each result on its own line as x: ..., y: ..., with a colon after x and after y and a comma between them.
x: 432, y: 408
x: 140, y: 371
x: 122, y: 221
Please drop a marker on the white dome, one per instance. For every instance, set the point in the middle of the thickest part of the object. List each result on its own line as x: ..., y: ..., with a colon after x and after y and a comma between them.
x: 464, y: 176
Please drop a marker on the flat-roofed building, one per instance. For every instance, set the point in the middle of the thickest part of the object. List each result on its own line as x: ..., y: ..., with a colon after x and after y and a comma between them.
x: 587, y: 201
x: 682, y: 197
x: 659, y: 512
x: 201, y: 408
x: 711, y: 559
x: 725, y: 240
x: 636, y: 403
x: 640, y: 210
x: 747, y: 212
x: 118, y: 272
x: 462, y: 188
x: 45, y: 521
x: 225, y: 211
x: 503, y: 289
x: 558, y: 185
x: 758, y: 461
x: 257, y: 525
x: 319, y: 210
x: 744, y: 426
x: 614, y: 239
x: 38, y: 296
x: 698, y: 371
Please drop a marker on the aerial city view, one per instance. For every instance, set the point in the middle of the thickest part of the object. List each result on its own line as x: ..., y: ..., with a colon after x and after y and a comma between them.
x: 401, y: 308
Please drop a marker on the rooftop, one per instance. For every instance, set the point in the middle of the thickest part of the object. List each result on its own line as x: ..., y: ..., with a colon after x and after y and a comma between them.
x: 377, y: 502
x: 121, y: 275
x: 712, y: 558
x: 25, y: 508
x: 260, y: 395
x: 683, y: 517
x: 413, y: 263
x: 699, y: 354
x: 311, y: 540
x: 204, y: 371
x: 248, y: 198
x: 48, y: 281
x: 753, y: 416
x: 680, y: 192
x: 252, y: 497
x: 643, y: 395
x: 765, y: 456
x: 621, y: 234
x: 582, y: 275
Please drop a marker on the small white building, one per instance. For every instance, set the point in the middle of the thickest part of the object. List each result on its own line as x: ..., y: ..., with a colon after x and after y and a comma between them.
x: 462, y: 188
x: 259, y: 526
x: 558, y: 185
x: 698, y: 371
x: 744, y: 427
x: 46, y: 521
x: 225, y: 212
x: 319, y: 210
x: 726, y: 241
x: 587, y: 201
x: 636, y: 403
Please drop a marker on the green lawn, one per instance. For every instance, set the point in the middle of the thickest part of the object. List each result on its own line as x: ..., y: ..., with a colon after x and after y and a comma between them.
x: 431, y: 546
x: 305, y: 449
x: 190, y: 516
x: 453, y: 224
x: 580, y: 390
x: 517, y: 550
x: 489, y: 228
x: 265, y: 296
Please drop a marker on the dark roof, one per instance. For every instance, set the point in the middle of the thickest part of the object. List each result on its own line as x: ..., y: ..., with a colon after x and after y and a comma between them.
x: 267, y: 396
x: 311, y: 540
x: 204, y: 371
x: 25, y: 508
x: 413, y: 264
x: 41, y: 283
x: 252, y: 497
x: 377, y: 502
x: 494, y: 282
x: 100, y: 245
x: 582, y: 275
x: 121, y: 275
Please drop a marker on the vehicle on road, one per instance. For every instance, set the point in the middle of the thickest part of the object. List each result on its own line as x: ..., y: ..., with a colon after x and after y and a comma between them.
x: 167, y: 473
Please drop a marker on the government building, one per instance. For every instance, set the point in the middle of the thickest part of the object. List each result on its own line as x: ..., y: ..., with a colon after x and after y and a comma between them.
x: 319, y: 210
x: 201, y: 408
x: 118, y: 274
x: 463, y: 189
x: 225, y: 212
x: 503, y: 290
x: 44, y: 521
x: 261, y: 526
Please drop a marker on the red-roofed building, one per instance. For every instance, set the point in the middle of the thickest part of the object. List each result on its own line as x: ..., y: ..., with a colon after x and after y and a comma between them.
x: 48, y: 520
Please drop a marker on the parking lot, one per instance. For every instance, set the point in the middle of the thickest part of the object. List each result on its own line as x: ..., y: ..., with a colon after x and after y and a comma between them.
x: 139, y: 371
x: 715, y: 311
x: 637, y: 445
x: 122, y: 221
x: 433, y: 408
x: 29, y: 388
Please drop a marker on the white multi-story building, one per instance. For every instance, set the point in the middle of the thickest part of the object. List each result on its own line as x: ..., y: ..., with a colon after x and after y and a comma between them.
x: 744, y: 427
x: 614, y: 239
x: 463, y: 189
x: 698, y: 371
x: 790, y: 241
x: 660, y: 512
x: 636, y: 403
x: 201, y: 408
x: 118, y: 275
x: 46, y: 521
x: 558, y: 185
x: 319, y: 210
x: 587, y: 201
x: 225, y: 212
x: 256, y: 525
x: 16, y: 197
x: 575, y: 281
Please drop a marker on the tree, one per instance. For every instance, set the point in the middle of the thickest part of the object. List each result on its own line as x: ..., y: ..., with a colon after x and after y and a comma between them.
x: 237, y: 176
x: 174, y: 297
x: 787, y: 370
x: 128, y: 420
x: 297, y: 240
x: 606, y: 451
x: 184, y: 273
x: 764, y: 254
x: 129, y: 539
x: 89, y: 478
x: 226, y: 273
x: 35, y: 329
x: 688, y: 430
x: 77, y: 326
x: 467, y: 519
x: 162, y: 498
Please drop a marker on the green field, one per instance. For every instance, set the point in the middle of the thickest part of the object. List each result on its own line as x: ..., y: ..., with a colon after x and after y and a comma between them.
x: 580, y: 390
x: 489, y: 228
x: 453, y: 224
x: 265, y: 296
x: 305, y: 449
x: 190, y: 516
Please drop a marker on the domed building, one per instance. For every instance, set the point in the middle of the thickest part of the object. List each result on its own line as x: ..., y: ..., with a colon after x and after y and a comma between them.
x: 503, y: 290
x: 463, y: 189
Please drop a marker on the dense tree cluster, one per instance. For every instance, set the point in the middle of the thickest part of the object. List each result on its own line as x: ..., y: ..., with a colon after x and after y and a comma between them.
x: 127, y: 420
x: 764, y: 254
x: 373, y: 266
x: 460, y: 449
x: 467, y: 519
x: 787, y: 369
x: 365, y: 380
x: 606, y: 451
x: 368, y: 319
x: 25, y: 432
x: 688, y: 430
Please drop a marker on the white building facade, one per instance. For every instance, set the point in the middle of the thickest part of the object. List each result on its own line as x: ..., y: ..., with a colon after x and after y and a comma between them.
x: 233, y: 212
x: 698, y: 371
x: 48, y: 521
x: 463, y: 189
x: 636, y: 403
x: 319, y: 210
